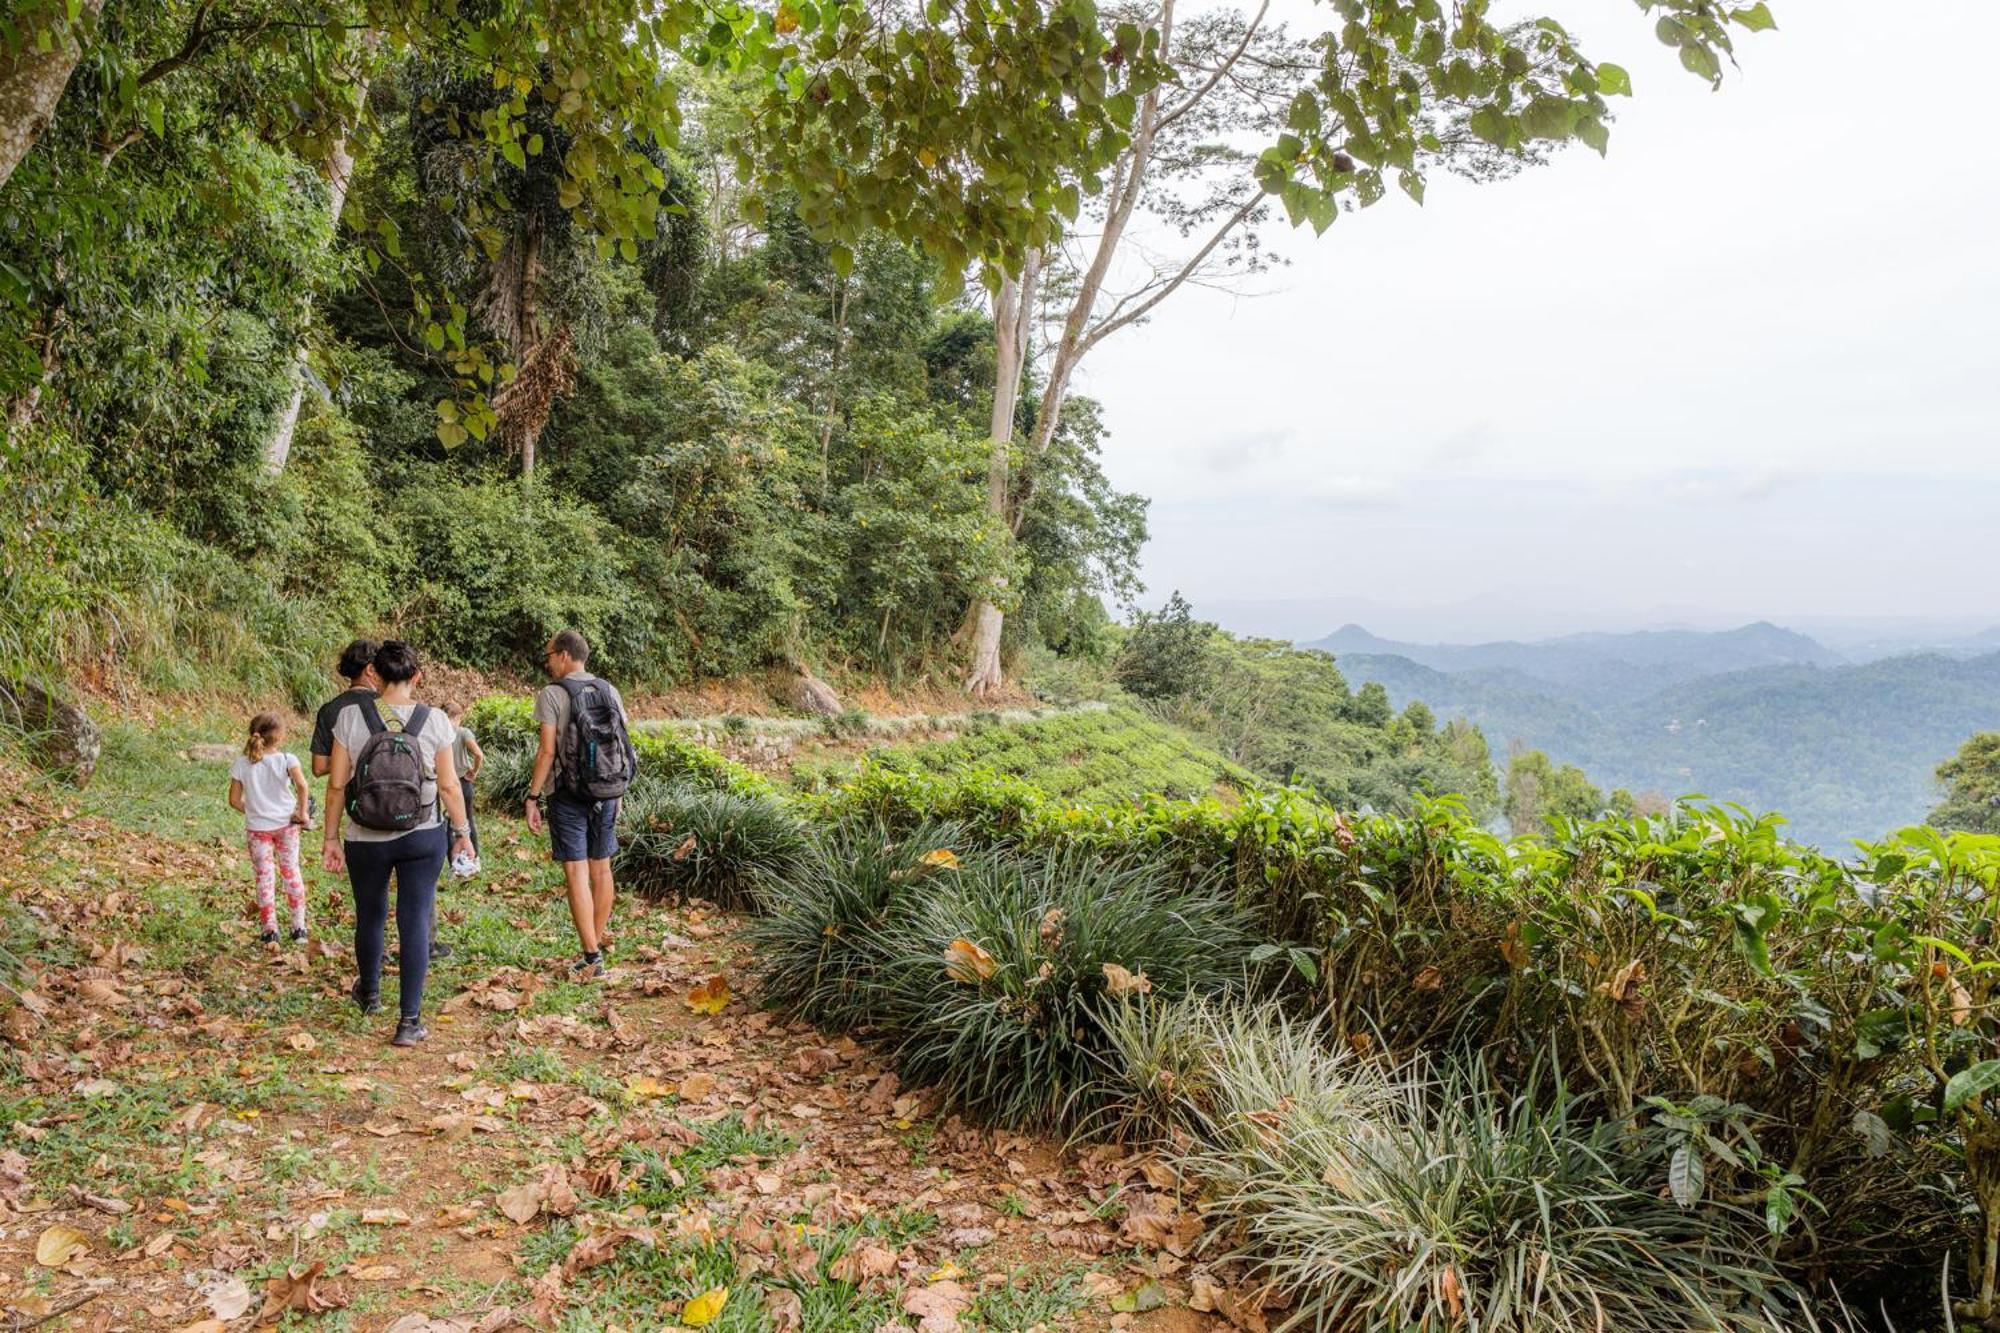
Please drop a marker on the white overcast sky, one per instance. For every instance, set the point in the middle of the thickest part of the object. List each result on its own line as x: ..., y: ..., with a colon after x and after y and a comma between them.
x: 1747, y: 366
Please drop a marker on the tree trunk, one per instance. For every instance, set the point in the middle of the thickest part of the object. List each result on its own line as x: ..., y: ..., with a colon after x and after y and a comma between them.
x: 31, y: 83
x: 1128, y: 185
x: 338, y: 170
x: 1012, y: 316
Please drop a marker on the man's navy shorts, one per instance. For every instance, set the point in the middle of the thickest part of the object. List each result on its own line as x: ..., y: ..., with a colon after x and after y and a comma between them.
x: 582, y: 830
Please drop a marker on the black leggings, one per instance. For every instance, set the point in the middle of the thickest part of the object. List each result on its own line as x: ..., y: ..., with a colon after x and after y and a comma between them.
x: 415, y: 859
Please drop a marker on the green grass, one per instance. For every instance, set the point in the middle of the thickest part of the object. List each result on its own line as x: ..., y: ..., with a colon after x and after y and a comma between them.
x: 1030, y: 1298
x: 1105, y: 755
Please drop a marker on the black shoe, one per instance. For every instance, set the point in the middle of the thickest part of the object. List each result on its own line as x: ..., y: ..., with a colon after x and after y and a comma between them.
x: 587, y: 968
x: 440, y: 949
x: 298, y: 934
x: 367, y: 1001
x: 268, y: 937
x: 410, y: 1031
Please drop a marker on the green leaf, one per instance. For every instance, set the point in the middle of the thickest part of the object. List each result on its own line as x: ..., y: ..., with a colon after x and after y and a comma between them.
x: 1700, y: 60
x: 1970, y: 1083
x: 1778, y: 1209
x: 842, y: 259
x: 1685, y: 1176
x: 1304, y: 115
x: 1412, y: 183
x: 1490, y: 124
x: 1757, y: 18
x: 1613, y: 81
x: 450, y: 434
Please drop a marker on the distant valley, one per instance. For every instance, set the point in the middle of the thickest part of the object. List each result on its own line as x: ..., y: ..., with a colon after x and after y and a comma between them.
x: 1760, y: 715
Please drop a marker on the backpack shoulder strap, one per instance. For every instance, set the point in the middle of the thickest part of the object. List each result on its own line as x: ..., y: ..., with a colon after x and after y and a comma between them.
x: 574, y: 686
x: 371, y: 715
x: 418, y: 716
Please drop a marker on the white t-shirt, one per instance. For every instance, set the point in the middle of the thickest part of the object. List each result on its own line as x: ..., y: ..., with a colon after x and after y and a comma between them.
x: 351, y: 730
x: 269, y: 801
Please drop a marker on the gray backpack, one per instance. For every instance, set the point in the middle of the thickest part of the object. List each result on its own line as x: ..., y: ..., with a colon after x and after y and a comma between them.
x: 386, y: 790
x: 595, y: 758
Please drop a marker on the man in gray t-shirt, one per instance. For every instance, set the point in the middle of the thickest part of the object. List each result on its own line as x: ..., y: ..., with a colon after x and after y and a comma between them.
x: 583, y: 834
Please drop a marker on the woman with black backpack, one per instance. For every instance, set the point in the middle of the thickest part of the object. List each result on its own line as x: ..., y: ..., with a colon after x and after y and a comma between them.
x: 392, y: 767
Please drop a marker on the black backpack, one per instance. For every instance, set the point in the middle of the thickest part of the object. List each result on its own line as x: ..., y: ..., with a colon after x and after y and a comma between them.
x: 386, y: 791
x: 594, y: 755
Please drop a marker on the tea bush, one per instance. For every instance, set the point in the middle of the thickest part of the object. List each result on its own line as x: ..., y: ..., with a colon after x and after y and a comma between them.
x: 1094, y: 755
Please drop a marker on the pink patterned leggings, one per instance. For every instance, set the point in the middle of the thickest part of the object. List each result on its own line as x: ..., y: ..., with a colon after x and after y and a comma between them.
x: 273, y: 853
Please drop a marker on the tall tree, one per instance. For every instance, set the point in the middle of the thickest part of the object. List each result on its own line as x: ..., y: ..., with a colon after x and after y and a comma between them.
x: 1404, y: 87
x: 1013, y: 305
x: 1971, y: 782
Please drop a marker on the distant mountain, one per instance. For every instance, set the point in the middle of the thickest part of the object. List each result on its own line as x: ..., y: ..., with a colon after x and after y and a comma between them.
x: 1602, y: 667
x: 1843, y: 752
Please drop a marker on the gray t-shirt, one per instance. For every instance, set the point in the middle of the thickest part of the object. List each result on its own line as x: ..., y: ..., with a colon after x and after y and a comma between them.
x: 552, y: 710
x: 461, y: 751
x: 351, y: 730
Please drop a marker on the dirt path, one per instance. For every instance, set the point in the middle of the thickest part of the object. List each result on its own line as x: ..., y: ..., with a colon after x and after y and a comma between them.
x: 203, y: 1134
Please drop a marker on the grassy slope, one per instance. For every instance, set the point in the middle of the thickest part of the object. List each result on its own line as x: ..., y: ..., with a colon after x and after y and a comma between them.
x: 1088, y: 756
x: 228, y: 1109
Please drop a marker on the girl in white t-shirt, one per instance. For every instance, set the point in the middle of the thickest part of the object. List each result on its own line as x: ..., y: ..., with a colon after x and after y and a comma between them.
x: 266, y: 784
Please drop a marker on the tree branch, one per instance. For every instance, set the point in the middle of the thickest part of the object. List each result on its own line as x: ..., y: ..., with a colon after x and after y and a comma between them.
x: 1194, y: 98
x: 1120, y: 318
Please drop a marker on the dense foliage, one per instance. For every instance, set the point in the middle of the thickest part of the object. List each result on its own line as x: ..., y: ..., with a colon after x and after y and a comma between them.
x: 1791, y: 1051
x: 1288, y: 715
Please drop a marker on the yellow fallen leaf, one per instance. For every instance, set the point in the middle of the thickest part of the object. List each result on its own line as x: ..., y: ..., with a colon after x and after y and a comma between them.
x: 944, y: 858
x: 644, y: 1085
x: 60, y: 1244
x: 951, y: 1272
x: 302, y: 1041
x: 711, y: 996
x: 705, y: 1308
x: 1122, y: 983
x: 967, y: 962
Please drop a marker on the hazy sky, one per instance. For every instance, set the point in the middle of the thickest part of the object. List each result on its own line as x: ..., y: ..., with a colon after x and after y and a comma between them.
x: 1746, y: 366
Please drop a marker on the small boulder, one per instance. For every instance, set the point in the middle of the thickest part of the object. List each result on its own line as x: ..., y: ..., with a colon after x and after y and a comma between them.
x: 62, y: 739
x: 810, y: 694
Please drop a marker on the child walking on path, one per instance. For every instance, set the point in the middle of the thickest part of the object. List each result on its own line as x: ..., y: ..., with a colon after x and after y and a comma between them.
x: 268, y: 787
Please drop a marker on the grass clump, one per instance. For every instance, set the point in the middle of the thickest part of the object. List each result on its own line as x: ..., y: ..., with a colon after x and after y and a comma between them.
x: 989, y: 977
x: 719, y: 845
x: 823, y: 934
x: 1383, y: 1198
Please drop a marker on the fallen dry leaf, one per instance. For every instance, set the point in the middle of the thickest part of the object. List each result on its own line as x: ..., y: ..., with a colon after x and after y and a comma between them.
x: 943, y: 858
x: 644, y: 1085
x: 1122, y: 983
x: 299, y: 1289
x: 706, y: 1308
x: 966, y: 962
x: 302, y: 1041
x: 228, y: 1298
x: 384, y: 1217
x: 938, y: 1306
x: 60, y: 1244
x: 696, y: 1087
x: 862, y: 1262
x: 711, y: 996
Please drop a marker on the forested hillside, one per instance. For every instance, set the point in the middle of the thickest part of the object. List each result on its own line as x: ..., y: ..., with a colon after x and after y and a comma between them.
x: 1842, y: 752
